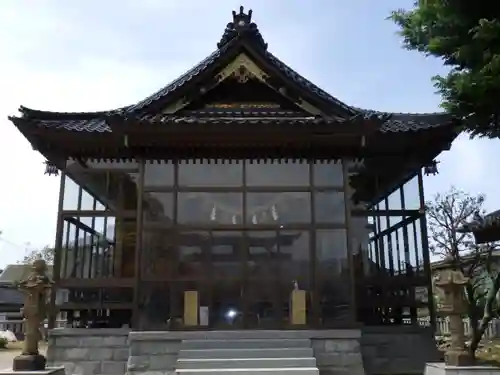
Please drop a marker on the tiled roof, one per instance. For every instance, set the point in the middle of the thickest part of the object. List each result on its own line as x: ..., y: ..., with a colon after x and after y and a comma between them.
x: 481, y: 223
x: 394, y: 122
x: 241, y: 31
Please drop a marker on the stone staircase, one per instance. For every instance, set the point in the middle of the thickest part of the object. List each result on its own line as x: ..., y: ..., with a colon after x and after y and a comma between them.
x: 246, y: 357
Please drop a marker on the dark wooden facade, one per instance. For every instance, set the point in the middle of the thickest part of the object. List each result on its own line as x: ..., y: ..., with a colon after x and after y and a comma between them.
x: 137, y: 230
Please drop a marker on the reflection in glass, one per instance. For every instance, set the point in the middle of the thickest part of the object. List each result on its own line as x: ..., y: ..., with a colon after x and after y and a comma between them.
x: 215, y: 173
x: 333, y: 275
x: 158, y: 174
x: 263, y: 255
x: 210, y: 208
x: 159, y: 256
x: 277, y: 173
x: 328, y: 174
x: 278, y: 208
x: 294, y: 258
x: 193, y: 248
x: 88, y: 247
x: 227, y: 254
x: 329, y: 207
x: 227, y: 307
x: 158, y: 207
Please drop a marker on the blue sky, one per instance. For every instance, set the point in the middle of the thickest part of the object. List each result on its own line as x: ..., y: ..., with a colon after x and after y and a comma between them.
x: 95, y: 55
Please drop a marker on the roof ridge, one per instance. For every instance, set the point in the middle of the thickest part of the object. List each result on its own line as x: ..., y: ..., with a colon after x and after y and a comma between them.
x: 413, y: 114
x: 309, y: 84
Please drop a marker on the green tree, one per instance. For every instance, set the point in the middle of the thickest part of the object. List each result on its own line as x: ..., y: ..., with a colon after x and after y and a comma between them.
x: 447, y: 213
x: 466, y: 36
x: 46, y: 253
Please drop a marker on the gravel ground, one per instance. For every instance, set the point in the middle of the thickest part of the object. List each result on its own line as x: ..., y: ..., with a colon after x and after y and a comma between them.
x: 6, y: 357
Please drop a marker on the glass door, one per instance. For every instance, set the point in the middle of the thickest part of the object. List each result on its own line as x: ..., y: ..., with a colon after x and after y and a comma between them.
x: 262, y: 307
x: 226, y: 263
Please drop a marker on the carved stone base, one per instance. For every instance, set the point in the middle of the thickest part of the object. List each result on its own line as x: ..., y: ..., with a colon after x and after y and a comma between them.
x: 458, y: 358
x: 29, y: 362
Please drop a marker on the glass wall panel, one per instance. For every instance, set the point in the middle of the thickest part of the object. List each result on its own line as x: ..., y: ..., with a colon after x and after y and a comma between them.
x: 158, y: 208
x: 328, y: 174
x: 210, y: 208
x: 158, y: 174
x: 227, y: 254
x: 88, y: 202
x: 71, y: 194
x: 278, y: 208
x: 333, y: 275
x: 194, y: 250
x: 263, y: 257
x: 159, y: 255
x: 411, y: 194
x: 294, y: 258
x: 113, y: 187
x: 213, y: 173
x: 394, y: 200
x: 329, y: 207
x: 88, y: 247
x: 277, y: 173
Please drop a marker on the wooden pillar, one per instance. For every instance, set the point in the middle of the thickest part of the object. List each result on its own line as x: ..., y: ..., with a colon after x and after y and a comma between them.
x: 348, y: 192
x: 314, y: 293
x: 56, y: 270
x: 138, y: 246
x: 119, y: 231
x: 425, y: 251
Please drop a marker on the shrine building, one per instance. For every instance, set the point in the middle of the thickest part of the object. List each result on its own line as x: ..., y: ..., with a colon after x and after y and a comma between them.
x: 241, y: 196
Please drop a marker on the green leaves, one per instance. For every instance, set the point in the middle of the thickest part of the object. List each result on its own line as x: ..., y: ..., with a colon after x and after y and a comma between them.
x: 466, y: 36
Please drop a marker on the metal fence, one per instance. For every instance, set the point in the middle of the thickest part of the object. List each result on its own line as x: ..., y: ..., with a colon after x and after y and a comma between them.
x: 17, y: 326
x: 443, y: 327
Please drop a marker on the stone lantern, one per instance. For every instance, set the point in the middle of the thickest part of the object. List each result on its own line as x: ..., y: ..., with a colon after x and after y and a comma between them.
x: 35, y: 289
x: 451, y: 283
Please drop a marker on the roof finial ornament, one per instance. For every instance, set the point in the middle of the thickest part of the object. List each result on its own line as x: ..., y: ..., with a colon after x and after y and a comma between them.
x: 242, y: 26
x: 241, y: 19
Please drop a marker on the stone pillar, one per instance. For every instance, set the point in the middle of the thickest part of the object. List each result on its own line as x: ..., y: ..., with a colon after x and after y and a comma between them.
x: 450, y: 281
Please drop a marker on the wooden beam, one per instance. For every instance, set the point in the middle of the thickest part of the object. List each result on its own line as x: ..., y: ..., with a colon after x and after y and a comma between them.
x: 96, y: 282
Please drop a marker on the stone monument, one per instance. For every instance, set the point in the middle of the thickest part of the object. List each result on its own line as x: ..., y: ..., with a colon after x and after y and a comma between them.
x: 451, y: 283
x: 35, y: 288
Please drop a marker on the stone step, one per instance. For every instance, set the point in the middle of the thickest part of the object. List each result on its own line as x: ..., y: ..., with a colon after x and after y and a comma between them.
x: 252, y: 371
x: 246, y: 353
x: 249, y: 363
x: 246, y: 344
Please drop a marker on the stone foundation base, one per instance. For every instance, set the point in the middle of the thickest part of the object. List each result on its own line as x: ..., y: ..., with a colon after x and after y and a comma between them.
x: 443, y: 369
x: 47, y: 371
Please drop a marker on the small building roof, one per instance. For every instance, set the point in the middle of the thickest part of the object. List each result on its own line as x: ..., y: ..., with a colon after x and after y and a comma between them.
x: 16, y: 272
x: 484, y: 228
x: 10, y: 297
